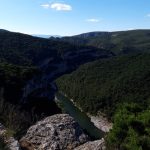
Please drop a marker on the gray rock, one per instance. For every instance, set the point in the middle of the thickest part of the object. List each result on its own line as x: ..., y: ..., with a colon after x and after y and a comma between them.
x: 13, y: 144
x: 57, y: 132
x: 94, y: 145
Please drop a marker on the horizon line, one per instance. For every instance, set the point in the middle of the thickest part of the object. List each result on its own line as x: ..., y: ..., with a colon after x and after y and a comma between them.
x: 111, y: 31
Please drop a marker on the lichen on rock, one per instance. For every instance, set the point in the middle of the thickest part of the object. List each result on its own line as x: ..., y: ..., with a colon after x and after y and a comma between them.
x: 93, y: 145
x: 57, y: 132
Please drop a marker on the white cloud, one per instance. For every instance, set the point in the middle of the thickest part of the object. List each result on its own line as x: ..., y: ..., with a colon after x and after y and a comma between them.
x: 93, y: 20
x: 58, y: 6
x: 45, y: 5
x: 61, y: 7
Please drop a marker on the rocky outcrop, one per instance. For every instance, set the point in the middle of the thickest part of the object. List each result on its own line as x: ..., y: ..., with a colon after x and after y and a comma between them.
x: 10, y: 142
x: 57, y: 132
x: 94, y: 145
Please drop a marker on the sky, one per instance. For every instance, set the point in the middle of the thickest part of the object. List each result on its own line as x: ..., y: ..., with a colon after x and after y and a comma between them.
x: 71, y: 17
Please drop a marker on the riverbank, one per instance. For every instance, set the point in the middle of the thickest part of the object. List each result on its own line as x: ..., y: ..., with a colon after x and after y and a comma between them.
x: 99, y: 121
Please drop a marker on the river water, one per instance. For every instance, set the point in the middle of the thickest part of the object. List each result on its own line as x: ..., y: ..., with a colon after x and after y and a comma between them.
x: 83, y: 120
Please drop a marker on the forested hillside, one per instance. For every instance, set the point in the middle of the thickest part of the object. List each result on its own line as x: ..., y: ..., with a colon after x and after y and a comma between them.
x: 121, y: 42
x: 24, y: 49
x: 104, y: 84
x: 13, y: 78
x: 119, y: 88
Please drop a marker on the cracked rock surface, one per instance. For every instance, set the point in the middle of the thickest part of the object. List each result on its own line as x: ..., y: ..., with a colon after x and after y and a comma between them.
x: 57, y: 132
x: 93, y: 145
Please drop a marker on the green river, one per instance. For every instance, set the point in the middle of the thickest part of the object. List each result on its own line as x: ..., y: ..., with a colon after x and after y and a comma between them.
x: 83, y: 120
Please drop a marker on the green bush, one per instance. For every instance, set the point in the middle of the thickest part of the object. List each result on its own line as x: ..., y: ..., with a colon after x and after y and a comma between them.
x: 130, y: 130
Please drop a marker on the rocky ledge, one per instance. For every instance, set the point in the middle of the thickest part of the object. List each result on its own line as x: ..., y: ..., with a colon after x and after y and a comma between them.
x: 57, y: 132
x: 93, y: 145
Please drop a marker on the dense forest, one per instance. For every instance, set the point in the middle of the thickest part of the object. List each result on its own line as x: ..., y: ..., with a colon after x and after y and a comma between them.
x: 13, y: 78
x: 104, y: 84
x: 119, y: 88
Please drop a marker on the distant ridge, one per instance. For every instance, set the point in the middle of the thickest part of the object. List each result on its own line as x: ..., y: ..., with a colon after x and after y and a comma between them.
x: 119, y: 42
x: 3, y: 30
x: 46, y: 36
x: 103, y: 33
x: 34, y: 35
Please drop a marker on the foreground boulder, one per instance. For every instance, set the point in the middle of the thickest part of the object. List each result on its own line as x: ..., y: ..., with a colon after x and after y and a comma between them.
x: 57, y: 132
x: 94, y: 145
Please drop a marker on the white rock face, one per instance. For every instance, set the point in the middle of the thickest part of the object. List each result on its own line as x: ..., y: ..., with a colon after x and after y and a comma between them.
x: 94, y: 145
x: 57, y: 132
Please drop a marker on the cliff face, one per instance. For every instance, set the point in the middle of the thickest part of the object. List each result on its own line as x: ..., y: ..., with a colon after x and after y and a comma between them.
x: 57, y: 132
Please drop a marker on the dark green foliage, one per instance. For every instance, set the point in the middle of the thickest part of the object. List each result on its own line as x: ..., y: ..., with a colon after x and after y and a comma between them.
x: 131, y: 129
x: 13, y: 78
x: 9, y: 72
x: 104, y: 84
x: 22, y: 49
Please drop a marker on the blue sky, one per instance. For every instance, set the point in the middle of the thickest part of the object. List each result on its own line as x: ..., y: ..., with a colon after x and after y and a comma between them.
x: 70, y: 17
